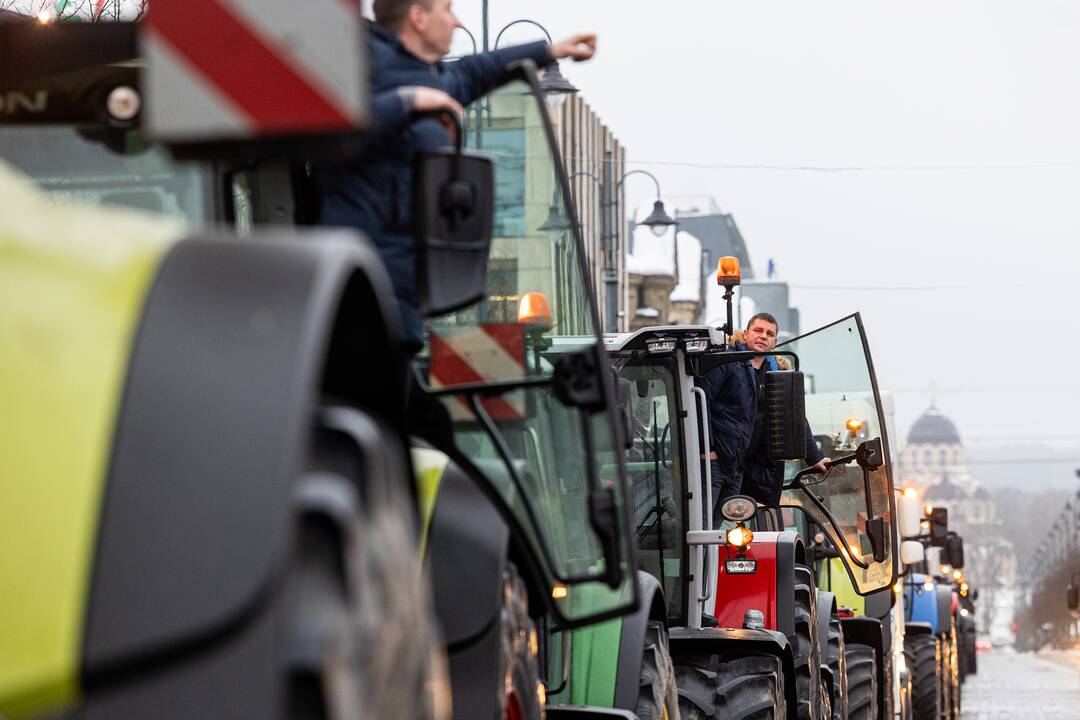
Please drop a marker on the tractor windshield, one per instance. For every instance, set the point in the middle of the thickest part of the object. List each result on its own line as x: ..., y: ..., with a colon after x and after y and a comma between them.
x: 106, y: 167
x: 843, y: 410
x: 538, y: 315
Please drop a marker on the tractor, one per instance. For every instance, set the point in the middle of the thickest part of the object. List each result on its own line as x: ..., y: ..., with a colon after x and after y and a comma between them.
x: 932, y: 595
x: 244, y: 529
x: 874, y: 625
x: 750, y: 634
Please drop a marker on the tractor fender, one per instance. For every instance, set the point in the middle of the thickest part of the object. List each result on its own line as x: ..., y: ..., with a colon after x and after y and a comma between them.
x: 826, y: 611
x: 727, y: 641
x: 917, y: 628
x: 467, y: 549
x: 943, y: 594
x: 236, y: 342
x: 632, y: 638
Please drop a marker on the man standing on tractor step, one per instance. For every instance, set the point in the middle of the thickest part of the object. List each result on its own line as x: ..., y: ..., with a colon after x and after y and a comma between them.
x: 372, y: 191
x: 763, y: 479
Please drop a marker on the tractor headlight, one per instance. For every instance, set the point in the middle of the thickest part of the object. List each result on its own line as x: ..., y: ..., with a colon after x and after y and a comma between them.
x: 659, y: 346
x: 693, y: 346
x: 738, y: 508
x: 740, y: 537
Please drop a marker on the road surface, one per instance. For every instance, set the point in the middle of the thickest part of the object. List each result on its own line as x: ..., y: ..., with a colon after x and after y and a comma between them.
x: 1044, y: 686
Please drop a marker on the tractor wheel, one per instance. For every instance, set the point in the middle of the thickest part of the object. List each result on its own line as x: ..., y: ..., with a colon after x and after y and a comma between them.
x: 954, y: 672
x: 519, y: 663
x: 835, y: 658
x: 948, y: 705
x: 812, y: 704
x: 923, y: 654
x: 658, y: 698
x: 749, y: 687
x: 906, y: 699
x: 862, y: 682
x: 359, y: 635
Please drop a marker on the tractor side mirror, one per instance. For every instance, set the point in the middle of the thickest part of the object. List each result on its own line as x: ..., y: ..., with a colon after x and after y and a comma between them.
x: 453, y: 215
x: 954, y: 551
x: 869, y: 455
x: 939, y: 526
x: 911, y: 552
x: 910, y: 512
x: 785, y: 403
x: 1074, y: 597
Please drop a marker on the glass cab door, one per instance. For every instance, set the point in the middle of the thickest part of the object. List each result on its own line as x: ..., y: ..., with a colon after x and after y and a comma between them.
x: 524, y: 377
x: 854, y: 501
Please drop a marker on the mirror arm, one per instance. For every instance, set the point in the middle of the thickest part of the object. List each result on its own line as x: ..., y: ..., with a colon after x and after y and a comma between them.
x: 796, y: 484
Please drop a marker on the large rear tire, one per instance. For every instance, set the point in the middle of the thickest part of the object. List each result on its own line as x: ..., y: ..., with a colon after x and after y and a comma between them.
x: 835, y: 658
x: 658, y: 697
x: 923, y: 655
x: 862, y: 687
x: 750, y: 687
x: 813, y: 704
x: 359, y: 634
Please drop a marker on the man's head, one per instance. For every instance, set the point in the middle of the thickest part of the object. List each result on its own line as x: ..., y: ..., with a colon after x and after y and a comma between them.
x: 425, y: 27
x: 761, y: 332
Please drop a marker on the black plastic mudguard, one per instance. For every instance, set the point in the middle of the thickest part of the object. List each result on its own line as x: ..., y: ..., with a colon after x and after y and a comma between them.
x: 632, y: 638
x: 237, y: 342
x: 467, y: 550
x: 944, y: 609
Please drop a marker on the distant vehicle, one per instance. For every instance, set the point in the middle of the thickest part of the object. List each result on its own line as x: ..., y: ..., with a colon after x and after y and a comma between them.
x: 983, y: 645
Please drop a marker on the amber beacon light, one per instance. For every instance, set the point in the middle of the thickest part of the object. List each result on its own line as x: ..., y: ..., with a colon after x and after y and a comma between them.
x: 534, y: 310
x: 728, y: 273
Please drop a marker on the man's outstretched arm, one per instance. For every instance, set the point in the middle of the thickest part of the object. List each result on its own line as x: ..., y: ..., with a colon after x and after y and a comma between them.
x: 474, y: 76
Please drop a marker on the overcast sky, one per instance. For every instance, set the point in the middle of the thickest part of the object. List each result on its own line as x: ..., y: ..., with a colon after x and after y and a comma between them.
x: 964, y: 121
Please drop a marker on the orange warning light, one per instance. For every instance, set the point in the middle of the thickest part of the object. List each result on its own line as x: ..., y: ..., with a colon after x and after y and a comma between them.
x: 727, y: 272
x: 534, y: 311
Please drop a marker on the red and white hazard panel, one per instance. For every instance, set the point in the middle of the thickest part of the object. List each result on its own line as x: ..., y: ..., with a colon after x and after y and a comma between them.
x: 234, y: 69
x: 480, y: 354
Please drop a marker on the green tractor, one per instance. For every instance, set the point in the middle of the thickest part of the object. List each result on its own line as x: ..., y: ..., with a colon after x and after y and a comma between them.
x: 750, y: 634
x: 524, y: 532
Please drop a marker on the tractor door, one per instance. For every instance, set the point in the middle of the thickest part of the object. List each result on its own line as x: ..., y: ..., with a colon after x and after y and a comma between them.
x: 523, y: 377
x: 853, y: 502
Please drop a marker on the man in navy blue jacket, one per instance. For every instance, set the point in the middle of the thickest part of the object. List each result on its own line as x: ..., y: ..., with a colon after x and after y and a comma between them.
x: 735, y: 394
x: 762, y: 478
x: 372, y: 192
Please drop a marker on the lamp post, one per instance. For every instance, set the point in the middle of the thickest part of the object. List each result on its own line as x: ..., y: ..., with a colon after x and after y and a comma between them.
x: 554, y: 84
x: 658, y: 221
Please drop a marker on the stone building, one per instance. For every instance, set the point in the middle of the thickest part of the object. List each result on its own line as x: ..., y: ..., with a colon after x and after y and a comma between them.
x: 664, y: 279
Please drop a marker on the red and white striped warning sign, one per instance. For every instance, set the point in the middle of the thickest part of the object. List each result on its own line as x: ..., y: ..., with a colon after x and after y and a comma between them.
x: 480, y: 354
x: 231, y: 69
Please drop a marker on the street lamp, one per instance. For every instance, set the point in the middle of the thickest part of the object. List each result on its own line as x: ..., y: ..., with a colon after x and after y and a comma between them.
x: 658, y: 222
x: 553, y: 84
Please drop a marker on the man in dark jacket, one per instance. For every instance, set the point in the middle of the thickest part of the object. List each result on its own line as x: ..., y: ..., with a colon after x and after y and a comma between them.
x: 730, y: 398
x: 763, y: 479
x: 372, y: 192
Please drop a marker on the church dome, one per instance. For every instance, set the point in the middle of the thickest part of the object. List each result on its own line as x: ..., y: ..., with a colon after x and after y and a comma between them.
x: 933, y: 428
